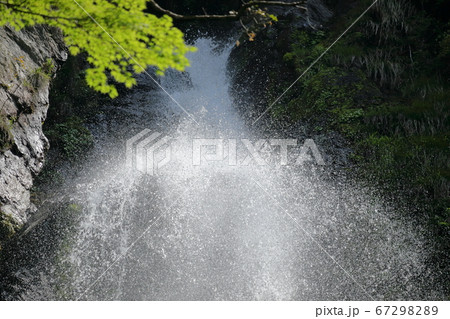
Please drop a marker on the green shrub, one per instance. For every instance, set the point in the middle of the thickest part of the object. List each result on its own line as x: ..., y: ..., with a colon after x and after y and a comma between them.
x: 71, y: 137
x: 40, y: 76
x: 8, y: 227
x: 6, y: 137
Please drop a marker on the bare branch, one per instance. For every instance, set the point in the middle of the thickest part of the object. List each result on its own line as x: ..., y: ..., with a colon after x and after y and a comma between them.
x: 232, y: 16
x: 299, y: 4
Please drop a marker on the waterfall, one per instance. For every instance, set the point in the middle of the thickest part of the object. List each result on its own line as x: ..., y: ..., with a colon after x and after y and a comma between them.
x: 217, y: 231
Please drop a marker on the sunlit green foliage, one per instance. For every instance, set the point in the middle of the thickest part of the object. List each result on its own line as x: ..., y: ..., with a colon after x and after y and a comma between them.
x: 118, y: 36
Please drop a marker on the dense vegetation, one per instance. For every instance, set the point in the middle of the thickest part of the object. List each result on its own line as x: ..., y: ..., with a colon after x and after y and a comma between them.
x: 385, y: 87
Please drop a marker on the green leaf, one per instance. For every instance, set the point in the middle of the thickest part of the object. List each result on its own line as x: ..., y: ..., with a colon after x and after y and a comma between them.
x: 133, y: 38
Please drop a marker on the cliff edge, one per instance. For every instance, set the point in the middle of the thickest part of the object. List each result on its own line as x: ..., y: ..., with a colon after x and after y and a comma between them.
x: 28, y: 61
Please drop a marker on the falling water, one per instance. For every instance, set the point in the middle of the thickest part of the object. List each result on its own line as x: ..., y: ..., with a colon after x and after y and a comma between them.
x: 219, y: 231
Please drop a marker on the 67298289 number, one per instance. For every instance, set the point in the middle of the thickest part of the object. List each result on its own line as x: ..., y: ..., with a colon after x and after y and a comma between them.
x: 406, y: 310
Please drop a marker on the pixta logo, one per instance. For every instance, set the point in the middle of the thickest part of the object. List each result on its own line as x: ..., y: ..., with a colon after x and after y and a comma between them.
x: 148, y: 151
x: 210, y: 150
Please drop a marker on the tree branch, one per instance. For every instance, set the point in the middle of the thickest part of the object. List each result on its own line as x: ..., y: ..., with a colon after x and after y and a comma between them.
x: 232, y: 16
x: 249, y: 4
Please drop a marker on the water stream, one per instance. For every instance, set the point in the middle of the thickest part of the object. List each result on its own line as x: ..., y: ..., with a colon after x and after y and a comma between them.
x: 217, y: 231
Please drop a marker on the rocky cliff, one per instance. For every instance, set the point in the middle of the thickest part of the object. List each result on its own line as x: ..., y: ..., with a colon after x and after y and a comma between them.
x: 28, y: 61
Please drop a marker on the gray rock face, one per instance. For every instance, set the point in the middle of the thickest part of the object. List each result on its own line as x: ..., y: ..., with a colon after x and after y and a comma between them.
x: 28, y: 59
